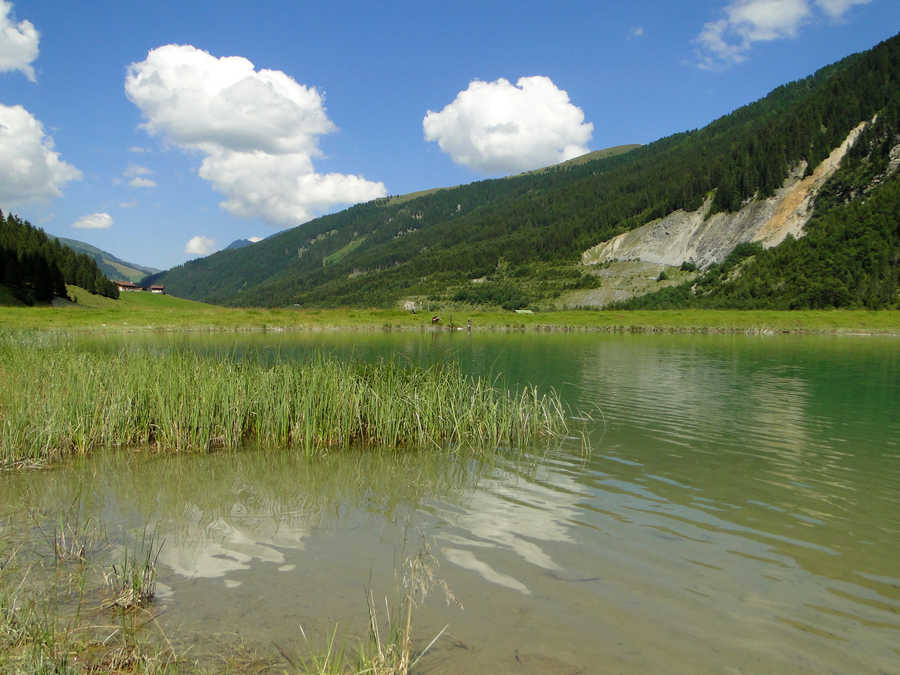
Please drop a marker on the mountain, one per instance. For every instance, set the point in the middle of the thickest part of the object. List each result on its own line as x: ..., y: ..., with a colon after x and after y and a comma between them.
x: 596, y: 154
x: 226, y: 275
x: 849, y: 255
x: 237, y: 243
x: 114, y: 268
x: 35, y: 268
x: 543, y: 237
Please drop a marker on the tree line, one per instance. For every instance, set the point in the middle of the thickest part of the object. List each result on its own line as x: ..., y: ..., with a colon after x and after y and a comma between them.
x: 36, y: 268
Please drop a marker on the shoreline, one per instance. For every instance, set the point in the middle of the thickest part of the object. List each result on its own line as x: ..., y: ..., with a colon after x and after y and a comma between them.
x: 373, y: 326
x: 136, y: 313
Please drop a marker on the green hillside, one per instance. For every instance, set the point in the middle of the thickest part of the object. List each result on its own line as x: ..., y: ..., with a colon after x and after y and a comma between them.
x: 114, y: 268
x: 35, y: 268
x: 850, y: 257
x: 521, y: 237
x: 591, y: 156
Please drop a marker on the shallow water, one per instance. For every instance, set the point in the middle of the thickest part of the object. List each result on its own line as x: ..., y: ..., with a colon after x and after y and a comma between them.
x: 739, y: 512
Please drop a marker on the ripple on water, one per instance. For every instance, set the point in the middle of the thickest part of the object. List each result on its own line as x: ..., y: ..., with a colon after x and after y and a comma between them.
x: 739, y: 511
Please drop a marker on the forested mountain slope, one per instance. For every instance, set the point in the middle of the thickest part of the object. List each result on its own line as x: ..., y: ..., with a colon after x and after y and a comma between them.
x: 388, y: 230
x: 112, y: 267
x: 523, y: 236
x: 36, y: 268
x: 704, y: 238
x: 849, y: 256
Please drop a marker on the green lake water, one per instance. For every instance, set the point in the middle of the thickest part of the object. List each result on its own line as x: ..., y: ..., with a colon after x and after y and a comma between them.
x: 739, y: 512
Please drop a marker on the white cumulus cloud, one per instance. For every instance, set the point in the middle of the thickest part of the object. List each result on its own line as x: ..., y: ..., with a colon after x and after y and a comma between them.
x: 94, y: 221
x: 257, y: 129
x: 138, y: 175
x: 18, y: 43
x: 283, y: 189
x: 30, y: 169
x: 496, y: 127
x: 254, y: 239
x: 200, y: 245
x: 729, y: 39
x: 837, y: 8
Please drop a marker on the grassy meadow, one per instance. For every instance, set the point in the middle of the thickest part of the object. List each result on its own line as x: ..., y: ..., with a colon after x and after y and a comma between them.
x: 145, y: 311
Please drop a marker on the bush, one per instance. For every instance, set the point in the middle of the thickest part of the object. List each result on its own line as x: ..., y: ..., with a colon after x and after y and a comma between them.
x: 504, y: 294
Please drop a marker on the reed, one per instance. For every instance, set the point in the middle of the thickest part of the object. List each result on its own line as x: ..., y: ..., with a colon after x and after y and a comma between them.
x: 389, y: 649
x: 50, y: 624
x: 132, y: 582
x: 57, y: 398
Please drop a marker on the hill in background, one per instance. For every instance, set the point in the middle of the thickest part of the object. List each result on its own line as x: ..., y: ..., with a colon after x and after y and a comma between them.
x: 237, y: 243
x: 520, y: 241
x: 114, y: 268
x: 35, y: 268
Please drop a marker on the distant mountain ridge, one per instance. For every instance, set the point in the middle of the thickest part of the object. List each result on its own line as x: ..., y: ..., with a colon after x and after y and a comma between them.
x: 520, y: 240
x: 112, y: 267
x: 590, y: 157
x: 35, y: 268
x: 237, y: 243
x: 273, y: 254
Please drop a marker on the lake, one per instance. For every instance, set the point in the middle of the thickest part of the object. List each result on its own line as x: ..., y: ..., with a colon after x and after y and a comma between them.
x: 738, y: 511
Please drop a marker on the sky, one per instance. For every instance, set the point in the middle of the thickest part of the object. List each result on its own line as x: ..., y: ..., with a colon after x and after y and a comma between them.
x: 161, y: 132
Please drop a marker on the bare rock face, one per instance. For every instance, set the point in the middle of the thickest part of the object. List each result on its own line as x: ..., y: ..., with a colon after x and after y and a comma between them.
x: 893, y: 161
x: 621, y: 281
x: 706, y: 239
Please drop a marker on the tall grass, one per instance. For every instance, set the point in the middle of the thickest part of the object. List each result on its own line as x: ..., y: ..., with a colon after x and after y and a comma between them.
x: 57, y: 398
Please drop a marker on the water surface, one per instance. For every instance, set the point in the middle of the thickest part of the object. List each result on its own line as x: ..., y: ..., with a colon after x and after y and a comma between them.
x: 739, y: 512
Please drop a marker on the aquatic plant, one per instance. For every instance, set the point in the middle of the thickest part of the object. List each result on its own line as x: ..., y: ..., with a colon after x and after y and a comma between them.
x: 389, y: 650
x: 43, y: 631
x: 30, y: 638
x: 133, y: 580
x: 57, y: 398
x: 394, y: 655
x: 73, y: 536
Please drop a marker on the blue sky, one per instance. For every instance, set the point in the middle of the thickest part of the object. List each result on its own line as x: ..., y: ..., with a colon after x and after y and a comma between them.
x: 128, y: 127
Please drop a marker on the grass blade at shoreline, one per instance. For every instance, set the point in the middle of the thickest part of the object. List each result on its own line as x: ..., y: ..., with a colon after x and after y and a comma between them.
x: 57, y: 399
